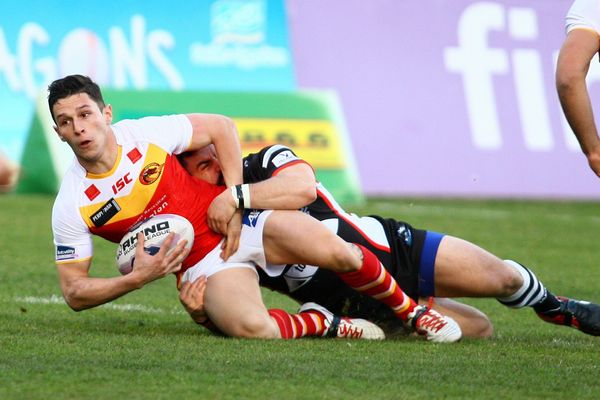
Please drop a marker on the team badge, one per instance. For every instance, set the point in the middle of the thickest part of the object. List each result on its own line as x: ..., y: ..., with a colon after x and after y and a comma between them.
x: 150, y: 173
x: 404, y: 234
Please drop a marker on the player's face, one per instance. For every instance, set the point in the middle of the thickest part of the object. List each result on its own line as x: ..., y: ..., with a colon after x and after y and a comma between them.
x: 204, y: 165
x: 86, y: 128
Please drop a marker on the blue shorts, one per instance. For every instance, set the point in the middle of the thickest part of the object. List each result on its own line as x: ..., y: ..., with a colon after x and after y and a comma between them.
x: 427, y: 264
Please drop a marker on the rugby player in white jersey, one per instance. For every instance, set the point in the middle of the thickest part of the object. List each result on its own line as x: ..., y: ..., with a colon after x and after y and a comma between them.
x: 579, y: 49
x: 428, y: 265
x: 124, y: 173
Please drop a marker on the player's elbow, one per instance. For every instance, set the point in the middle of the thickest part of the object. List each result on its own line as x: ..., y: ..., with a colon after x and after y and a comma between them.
x: 74, y: 304
x: 568, y: 78
x: 73, y: 300
x: 227, y: 124
x: 308, y: 192
x: 305, y: 184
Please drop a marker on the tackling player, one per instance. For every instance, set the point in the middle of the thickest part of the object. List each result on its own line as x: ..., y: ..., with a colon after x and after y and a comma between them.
x: 426, y: 264
x: 124, y: 173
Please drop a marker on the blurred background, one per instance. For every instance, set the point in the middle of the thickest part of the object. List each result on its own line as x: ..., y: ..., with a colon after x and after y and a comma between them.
x: 446, y: 98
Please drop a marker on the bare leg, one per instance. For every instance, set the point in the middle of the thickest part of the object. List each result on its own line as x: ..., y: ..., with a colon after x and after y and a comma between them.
x: 234, y: 304
x: 293, y: 237
x: 464, y: 269
x: 473, y: 323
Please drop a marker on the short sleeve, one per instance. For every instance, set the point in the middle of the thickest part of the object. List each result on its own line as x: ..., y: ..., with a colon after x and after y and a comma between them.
x: 172, y: 133
x: 583, y: 14
x: 72, y: 238
x: 268, y: 162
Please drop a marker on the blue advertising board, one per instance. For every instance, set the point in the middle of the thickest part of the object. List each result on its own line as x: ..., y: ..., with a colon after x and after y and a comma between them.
x: 177, y: 45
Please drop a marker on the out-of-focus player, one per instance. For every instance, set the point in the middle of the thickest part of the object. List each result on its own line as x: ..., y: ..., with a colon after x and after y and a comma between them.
x: 577, y: 52
x: 9, y: 174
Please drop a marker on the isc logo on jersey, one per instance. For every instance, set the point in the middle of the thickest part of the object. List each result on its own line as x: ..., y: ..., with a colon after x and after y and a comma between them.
x: 155, y: 230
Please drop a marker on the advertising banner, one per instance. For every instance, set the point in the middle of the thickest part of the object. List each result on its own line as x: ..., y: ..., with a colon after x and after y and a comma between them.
x: 448, y: 97
x: 181, y: 45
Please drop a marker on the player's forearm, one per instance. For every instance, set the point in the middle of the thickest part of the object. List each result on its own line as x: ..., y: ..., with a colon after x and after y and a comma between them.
x: 229, y: 153
x: 283, y: 193
x: 576, y: 53
x: 84, y: 292
x: 577, y: 108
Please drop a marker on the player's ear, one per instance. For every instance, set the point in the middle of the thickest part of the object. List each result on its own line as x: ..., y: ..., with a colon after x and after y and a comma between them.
x: 108, y: 115
x: 58, y: 133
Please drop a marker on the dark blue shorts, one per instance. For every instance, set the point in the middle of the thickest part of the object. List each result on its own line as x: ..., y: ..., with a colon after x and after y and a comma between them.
x: 427, y: 263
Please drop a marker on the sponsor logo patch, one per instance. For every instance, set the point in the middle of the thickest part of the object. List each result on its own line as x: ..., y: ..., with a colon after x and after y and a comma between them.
x: 250, y: 217
x: 283, y: 158
x: 65, y: 253
x: 405, y: 235
x: 150, y: 173
x: 105, y: 213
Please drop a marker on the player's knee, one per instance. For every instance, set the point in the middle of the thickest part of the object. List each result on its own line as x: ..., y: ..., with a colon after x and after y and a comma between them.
x: 510, y: 280
x: 346, y: 257
x: 254, y: 326
x: 475, y: 326
x: 482, y: 328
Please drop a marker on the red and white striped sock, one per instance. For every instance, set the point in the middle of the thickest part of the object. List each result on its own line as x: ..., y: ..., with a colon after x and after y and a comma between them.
x: 291, y: 326
x: 374, y: 280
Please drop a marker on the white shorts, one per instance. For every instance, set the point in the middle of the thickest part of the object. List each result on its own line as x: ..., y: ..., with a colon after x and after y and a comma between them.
x: 250, y: 254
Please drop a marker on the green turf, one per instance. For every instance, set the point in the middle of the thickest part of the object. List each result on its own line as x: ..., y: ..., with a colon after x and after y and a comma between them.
x: 145, y: 347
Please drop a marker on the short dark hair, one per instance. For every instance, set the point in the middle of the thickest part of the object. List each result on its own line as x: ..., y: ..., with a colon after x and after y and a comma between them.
x: 183, y: 157
x: 74, y: 84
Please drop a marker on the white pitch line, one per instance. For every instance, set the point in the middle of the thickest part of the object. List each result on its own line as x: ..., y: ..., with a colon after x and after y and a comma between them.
x: 54, y: 299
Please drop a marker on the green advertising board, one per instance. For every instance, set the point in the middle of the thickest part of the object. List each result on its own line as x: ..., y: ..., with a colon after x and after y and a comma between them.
x: 311, y: 123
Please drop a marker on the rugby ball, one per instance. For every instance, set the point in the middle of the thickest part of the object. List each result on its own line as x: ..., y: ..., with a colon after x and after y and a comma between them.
x: 155, y: 230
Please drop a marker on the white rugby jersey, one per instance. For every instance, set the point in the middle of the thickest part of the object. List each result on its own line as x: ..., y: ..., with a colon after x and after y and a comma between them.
x: 146, y: 180
x: 583, y: 14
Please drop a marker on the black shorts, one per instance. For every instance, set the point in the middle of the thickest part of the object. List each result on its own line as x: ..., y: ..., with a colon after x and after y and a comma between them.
x: 412, y: 256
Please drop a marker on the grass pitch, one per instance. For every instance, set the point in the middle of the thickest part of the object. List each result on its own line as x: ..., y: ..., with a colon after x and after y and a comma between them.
x: 144, y: 346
